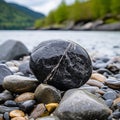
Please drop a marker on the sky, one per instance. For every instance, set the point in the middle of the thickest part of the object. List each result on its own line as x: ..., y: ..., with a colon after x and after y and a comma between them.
x: 44, y: 6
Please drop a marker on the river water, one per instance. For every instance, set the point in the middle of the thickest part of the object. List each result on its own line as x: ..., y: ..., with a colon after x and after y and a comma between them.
x: 98, y: 43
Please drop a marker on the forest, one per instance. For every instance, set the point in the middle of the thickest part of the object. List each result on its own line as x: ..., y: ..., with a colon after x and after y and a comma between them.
x: 87, y: 10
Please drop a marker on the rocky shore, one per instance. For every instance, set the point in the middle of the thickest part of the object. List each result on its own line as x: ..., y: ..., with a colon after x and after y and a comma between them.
x: 98, y: 25
x: 29, y: 92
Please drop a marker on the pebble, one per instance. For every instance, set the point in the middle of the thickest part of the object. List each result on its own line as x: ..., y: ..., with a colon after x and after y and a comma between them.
x: 113, y: 84
x: 27, y: 106
x: 51, y: 107
x: 19, y: 84
x: 92, y: 82
x: 110, y: 95
x: 5, y: 95
x: 6, y: 116
x: 4, y: 109
x: 47, y: 94
x: 10, y: 103
x: 98, y: 77
x: 16, y: 113
x: 109, y: 102
x: 1, y: 117
x: 38, y: 111
x: 25, y: 96
x: 48, y: 118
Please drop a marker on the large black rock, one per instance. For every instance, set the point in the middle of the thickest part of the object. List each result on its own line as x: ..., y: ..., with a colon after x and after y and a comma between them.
x: 63, y: 64
x: 12, y: 50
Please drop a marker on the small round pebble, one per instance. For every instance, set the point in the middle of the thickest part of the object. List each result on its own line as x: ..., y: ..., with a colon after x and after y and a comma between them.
x: 17, y: 113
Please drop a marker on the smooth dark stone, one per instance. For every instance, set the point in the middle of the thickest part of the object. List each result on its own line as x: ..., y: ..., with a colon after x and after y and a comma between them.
x: 4, y: 109
x: 6, y: 116
x: 6, y: 95
x: 20, y: 84
x: 81, y: 105
x: 109, y: 102
x: 4, y: 71
x: 47, y: 94
x: 27, y: 106
x: 12, y: 50
x: 10, y: 103
x: 62, y: 64
x: 110, y: 95
x: 25, y: 69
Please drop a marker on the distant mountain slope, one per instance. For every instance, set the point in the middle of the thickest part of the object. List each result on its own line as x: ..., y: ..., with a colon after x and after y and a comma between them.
x: 13, y: 18
x: 27, y: 11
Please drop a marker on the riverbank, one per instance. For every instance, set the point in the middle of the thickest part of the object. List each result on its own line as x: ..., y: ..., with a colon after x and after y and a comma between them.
x: 89, y: 26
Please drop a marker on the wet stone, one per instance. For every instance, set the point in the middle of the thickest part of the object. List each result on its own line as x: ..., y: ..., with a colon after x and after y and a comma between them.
x: 6, y: 116
x: 38, y: 111
x: 5, y: 95
x: 4, y: 109
x: 62, y: 64
x: 47, y: 94
x: 18, y: 118
x: 110, y: 95
x: 109, y: 102
x: 10, y: 103
x: 25, y: 96
x: 27, y: 106
x: 19, y: 84
x: 81, y: 105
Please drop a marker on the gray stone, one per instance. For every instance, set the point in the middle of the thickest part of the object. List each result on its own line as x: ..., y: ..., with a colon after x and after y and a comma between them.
x: 19, y: 84
x: 47, y: 94
x: 25, y: 69
x: 81, y: 105
x: 4, y: 109
x: 63, y: 64
x: 12, y: 50
x: 110, y: 95
x: 4, y: 71
x: 48, y: 118
x: 6, y: 95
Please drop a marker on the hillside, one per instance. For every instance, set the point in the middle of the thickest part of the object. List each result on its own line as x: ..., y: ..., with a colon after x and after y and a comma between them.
x: 27, y: 11
x: 13, y: 18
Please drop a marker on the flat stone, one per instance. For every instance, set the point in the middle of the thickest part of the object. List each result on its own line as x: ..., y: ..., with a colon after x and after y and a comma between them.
x: 47, y: 94
x: 4, y: 109
x: 92, y: 82
x: 25, y: 96
x: 81, y: 105
x: 19, y: 84
x: 63, y: 64
x: 98, y: 77
x: 10, y: 103
x: 114, y: 84
x: 110, y: 95
x: 4, y: 71
x: 16, y: 113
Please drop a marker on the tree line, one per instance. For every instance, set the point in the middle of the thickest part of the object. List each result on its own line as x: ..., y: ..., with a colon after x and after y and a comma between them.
x: 87, y: 10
